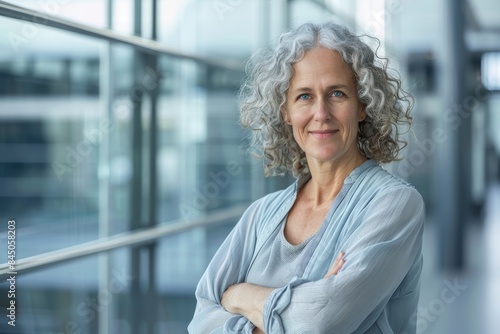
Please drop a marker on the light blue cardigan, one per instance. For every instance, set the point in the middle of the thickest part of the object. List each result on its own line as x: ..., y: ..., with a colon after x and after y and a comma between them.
x: 376, y: 219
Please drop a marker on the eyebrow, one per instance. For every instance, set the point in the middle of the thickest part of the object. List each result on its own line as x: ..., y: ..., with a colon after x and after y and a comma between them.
x: 307, y: 89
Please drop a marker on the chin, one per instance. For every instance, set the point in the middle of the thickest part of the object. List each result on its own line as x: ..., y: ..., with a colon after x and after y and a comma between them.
x: 326, y: 157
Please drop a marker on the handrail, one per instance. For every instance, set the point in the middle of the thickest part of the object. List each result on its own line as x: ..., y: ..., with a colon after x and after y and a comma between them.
x: 25, y: 14
x: 127, y: 239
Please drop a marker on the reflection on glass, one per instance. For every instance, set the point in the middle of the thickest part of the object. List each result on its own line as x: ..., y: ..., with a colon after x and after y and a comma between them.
x: 52, y: 124
x: 88, y: 12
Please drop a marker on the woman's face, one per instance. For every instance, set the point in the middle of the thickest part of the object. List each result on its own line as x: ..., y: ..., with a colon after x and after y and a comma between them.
x: 322, y: 107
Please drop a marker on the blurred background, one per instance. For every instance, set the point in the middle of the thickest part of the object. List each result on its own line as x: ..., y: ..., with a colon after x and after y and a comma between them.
x: 124, y: 168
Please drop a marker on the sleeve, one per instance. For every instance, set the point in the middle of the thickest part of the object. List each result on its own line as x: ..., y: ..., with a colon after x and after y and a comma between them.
x: 379, y: 253
x: 228, y: 266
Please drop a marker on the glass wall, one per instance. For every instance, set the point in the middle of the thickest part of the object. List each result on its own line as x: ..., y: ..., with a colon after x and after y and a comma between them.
x: 52, y: 126
x: 100, y: 138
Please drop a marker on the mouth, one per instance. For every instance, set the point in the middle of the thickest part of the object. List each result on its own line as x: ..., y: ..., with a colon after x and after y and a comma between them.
x: 323, y: 134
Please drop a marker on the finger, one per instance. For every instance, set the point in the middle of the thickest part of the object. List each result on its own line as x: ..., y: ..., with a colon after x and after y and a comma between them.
x: 333, y: 271
x: 336, y: 266
x: 339, y: 260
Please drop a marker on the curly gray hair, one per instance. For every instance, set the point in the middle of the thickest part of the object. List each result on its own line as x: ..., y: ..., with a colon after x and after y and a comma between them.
x: 263, y: 95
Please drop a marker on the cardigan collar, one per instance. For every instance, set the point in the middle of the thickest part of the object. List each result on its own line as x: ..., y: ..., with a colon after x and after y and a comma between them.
x: 351, y: 178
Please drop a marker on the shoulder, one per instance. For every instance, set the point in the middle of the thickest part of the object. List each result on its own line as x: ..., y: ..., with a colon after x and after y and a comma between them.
x: 377, y: 184
x: 385, y: 205
x: 382, y: 180
x: 378, y: 180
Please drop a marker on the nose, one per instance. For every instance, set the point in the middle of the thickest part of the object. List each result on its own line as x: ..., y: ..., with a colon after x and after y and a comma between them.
x: 321, y: 111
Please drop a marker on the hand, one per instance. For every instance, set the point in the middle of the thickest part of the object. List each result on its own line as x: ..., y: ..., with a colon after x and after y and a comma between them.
x: 336, y: 266
x: 257, y: 330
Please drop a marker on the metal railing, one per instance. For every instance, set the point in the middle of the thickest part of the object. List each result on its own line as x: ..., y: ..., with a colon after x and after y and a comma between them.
x: 127, y: 239
x: 144, y: 44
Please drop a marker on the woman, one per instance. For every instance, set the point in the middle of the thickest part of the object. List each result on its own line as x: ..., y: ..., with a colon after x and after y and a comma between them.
x: 339, y: 251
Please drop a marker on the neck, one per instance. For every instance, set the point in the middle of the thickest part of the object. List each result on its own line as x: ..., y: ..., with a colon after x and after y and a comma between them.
x: 327, y: 179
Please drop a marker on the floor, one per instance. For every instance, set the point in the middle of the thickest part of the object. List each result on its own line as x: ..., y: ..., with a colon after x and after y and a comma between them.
x: 468, y: 301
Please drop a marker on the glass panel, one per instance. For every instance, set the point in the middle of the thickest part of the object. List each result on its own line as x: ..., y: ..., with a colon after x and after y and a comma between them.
x: 89, y: 12
x: 72, y: 298
x: 123, y: 16
x: 202, y: 165
x: 181, y: 260
x: 54, y: 126
x: 211, y: 28
x: 59, y: 299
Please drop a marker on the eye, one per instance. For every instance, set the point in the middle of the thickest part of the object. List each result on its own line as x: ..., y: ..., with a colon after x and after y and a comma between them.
x: 338, y: 93
x: 304, y: 97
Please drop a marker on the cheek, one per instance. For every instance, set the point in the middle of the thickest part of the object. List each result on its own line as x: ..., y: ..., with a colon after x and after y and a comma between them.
x: 298, y: 119
x: 296, y: 134
x: 299, y: 137
x: 351, y: 125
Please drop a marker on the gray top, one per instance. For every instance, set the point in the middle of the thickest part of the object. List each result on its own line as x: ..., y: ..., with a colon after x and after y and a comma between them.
x: 277, y: 261
x: 376, y: 219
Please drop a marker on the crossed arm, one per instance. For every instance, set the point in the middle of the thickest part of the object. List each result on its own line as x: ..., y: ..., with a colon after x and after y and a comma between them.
x: 248, y: 299
x: 381, y: 248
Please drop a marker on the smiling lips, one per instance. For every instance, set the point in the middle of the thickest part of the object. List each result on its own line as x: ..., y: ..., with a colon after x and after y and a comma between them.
x: 323, y: 134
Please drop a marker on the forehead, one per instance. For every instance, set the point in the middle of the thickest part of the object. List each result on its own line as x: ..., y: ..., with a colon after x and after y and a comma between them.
x: 321, y: 66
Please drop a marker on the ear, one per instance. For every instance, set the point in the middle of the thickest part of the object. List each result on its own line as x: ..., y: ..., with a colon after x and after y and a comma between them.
x: 362, y: 113
x: 284, y: 114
